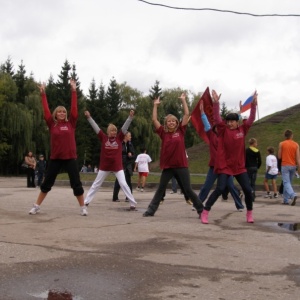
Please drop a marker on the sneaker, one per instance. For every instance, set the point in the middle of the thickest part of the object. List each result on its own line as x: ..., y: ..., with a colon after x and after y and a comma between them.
x: 126, y: 199
x: 84, y: 211
x: 240, y: 210
x: 137, y: 188
x: 193, y: 208
x: 172, y: 192
x: 294, y: 201
x: 132, y: 208
x: 275, y: 195
x: 36, y: 209
x: 115, y: 200
x: 268, y: 195
x: 285, y: 203
x: 189, y: 201
x: 142, y: 190
x: 147, y: 214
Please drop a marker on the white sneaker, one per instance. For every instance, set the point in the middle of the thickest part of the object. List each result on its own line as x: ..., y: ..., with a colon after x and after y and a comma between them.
x: 171, y: 192
x: 142, y: 189
x: 138, y: 189
x: 84, y: 211
x: 34, y: 210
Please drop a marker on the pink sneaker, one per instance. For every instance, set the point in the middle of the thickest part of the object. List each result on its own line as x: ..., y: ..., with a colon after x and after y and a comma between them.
x: 249, y: 216
x: 204, y: 216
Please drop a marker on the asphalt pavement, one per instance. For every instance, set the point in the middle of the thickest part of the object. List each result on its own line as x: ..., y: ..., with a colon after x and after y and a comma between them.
x: 114, y: 253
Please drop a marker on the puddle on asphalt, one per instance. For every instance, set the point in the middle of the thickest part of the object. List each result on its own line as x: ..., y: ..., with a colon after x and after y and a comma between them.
x: 56, y: 295
x: 290, y: 226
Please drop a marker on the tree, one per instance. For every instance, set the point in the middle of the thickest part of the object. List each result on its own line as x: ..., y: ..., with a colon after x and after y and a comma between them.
x: 113, y: 100
x: 63, y: 86
x: 20, y: 79
x: 7, y: 67
x: 156, y: 91
x: 223, y: 111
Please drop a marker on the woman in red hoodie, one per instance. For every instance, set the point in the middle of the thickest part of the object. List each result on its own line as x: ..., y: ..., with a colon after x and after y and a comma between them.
x: 230, y: 159
x: 63, y: 149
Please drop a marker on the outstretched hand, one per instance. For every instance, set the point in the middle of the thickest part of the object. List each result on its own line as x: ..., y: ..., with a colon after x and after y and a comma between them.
x: 42, y: 87
x: 87, y: 114
x: 131, y: 113
x: 255, y: 98
x: 215, y: 96
x: 156, y: 101
x: 201, y: 106
x: 73, y: 84
x: 182, y: 97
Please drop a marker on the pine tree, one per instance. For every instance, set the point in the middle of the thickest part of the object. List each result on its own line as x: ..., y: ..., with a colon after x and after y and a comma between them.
x: 156, y: 91
x: 7, y: 67
x: 63, y: 86
x: 20, y: 79
x: 113, y: 101
x: 223, y: 111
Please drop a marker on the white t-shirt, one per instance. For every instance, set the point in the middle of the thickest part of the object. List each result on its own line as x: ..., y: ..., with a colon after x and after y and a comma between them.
x: 142, y: 160
x: 271, y: 161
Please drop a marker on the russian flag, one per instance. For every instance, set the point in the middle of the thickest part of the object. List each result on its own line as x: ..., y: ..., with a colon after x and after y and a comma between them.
x: 247, y: 104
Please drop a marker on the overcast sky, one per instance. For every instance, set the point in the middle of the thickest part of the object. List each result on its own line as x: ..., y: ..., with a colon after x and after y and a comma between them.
x: 140, y: 43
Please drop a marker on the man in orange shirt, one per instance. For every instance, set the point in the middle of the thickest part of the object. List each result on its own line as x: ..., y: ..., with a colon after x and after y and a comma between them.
x: 288, y: 153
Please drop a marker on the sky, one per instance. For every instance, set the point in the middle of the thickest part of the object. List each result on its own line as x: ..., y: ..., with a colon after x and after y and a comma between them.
x: 138, y: 43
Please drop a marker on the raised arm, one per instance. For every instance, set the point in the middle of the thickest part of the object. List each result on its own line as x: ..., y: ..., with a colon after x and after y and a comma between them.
x: 204, y: 119
x: 127, y: 122
x: 92, y: 122
x: 47, y: 113
x: 155, y: 121
x: 186, y: 113
x: 74, y: 110
x: 216, y: 107
x: 251, y: 118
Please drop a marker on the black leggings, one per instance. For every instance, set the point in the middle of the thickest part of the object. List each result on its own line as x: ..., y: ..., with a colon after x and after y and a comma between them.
x: 182, y: 176
x: 54, y: 167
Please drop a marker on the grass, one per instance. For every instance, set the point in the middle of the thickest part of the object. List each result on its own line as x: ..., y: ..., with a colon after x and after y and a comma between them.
x: 152, y: 178
x: 268, y: 132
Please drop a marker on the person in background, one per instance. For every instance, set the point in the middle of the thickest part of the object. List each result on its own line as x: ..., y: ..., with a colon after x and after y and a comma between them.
x: 128, y: 156
x: 230, y: 160
x: 31, y: 163
x: 288, y: 153
x: 173, y: 158
x: 41, y: 169
x: 110, y: 158
x: 142, y: 166
x: 63, y: 149
x: 253, y: 163
x: 89, y: 169
x: 271, y: 173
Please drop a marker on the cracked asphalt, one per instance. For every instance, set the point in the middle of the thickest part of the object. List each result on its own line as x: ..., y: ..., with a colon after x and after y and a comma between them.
x: 118, y: 254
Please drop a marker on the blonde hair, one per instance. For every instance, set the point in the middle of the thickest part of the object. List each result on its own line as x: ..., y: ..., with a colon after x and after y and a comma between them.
x: 252, y: 141
x: 111, y: 127
x: 170, y: 117
x: 58, y: 108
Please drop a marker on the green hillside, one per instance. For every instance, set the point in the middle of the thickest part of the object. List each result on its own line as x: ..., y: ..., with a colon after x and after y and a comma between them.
x: 268, y: 131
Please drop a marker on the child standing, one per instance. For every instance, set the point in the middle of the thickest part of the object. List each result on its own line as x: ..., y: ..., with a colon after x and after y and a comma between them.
x: 110, y: 158
x: 271, y: 172
x: 142, y: 164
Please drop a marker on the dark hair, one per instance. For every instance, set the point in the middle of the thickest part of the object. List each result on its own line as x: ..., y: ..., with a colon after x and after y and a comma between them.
x: 288, y: 133
x: 271, y: 150
x: 232, y: 117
